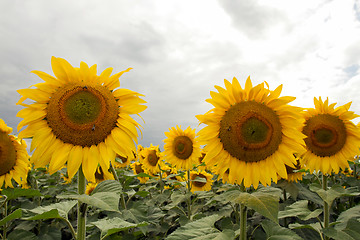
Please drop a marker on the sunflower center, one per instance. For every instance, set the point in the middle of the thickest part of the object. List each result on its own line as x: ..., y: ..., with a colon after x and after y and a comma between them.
x: 182, y: 147
x: 250, y: 131
x: 197, y: 183
x: 7, y: 154
x: 153, y: 158
x: 123, y: 159
x: 82, y: 115
x: 326, y: 134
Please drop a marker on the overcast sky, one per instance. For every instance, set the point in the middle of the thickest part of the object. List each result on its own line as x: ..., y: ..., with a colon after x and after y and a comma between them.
x: 180, y: 49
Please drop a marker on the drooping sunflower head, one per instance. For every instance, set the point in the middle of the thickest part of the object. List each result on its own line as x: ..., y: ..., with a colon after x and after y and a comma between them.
x: 181, y: 148
x: 253, y: 132
x: 150, y: 157
x: 331, y: 137
x: 200, y: 180
x: 79, y: 117
x: 122, y: 162
x: 14, y: 160
x: 103, y: 174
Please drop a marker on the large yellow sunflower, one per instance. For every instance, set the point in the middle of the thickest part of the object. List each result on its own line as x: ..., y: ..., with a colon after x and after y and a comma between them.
x: 78, y: 117
x: 181, y: 148
x: 331, y: 138
x: 150, y: 157
x: 252, y: 132
x: 14, y: 160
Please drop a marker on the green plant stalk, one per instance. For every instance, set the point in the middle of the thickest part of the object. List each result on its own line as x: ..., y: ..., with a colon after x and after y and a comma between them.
x: 81, y: 208
x: 5, y: 215
x: 122, y: 198
x: 189, y: 198
x: 161, y: 181
x: 326, y: 205
x: 243, y: 213
x: 284, y: 195
x: 72, y: 230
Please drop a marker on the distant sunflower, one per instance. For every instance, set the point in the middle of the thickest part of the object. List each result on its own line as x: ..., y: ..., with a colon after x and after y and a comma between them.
x: 293, y: 174
x: 150, y: 158
x: 138, y: 168
x: 78, y: 117
x: 200, y: 180
x: 331, y: 138
x: 14, y: 160
x: 252, y: 132
x: 181, y: 148
x: 122, y: 162
x: 90, y: 188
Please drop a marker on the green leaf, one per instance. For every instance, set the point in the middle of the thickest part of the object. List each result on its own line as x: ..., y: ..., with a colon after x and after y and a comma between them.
x: 275, y: 232
x: 110, y: 226
x: 299, y: 209
x: 56, y: 210
x: 351, y: 232
x: 290, y: 187
x: 22, y: 234
x: 108, y: 201
x: 345, y: 216
x: 334, y: 192
x: 14, y: 215
x: 313, y: 226
x: 13, y: 193
x: 200, y: 229
x: 265, y: 203
x: 108, y: 186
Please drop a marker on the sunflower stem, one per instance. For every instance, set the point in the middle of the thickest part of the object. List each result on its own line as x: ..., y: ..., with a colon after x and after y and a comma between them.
x: 5, y: 215
x: 122, y: 198
x: 82, y: 207
x: 284, y: 195
x: 326, y: 205
x: 161, y: 181
x: 189, y: 191
x: 243, y: 213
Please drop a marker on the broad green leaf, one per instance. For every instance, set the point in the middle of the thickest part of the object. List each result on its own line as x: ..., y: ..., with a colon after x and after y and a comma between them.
x: 200, y: 229
x: 345, y: 216
x: 313, y: 226
x: 142, y: 193
x: 108, y: 186
x: 108, y: 201
x: 289, y: 187
x: 46, y: 212
x: 13, y: 193
x: 351, y: 232
x: 265, y: 203
x: 22, y: 234
x: 176, y: 198
x: 299, y: 209
x: 275, y: 232
x: 14, y: 215
x: 110, y: 226
x: 334, y: 192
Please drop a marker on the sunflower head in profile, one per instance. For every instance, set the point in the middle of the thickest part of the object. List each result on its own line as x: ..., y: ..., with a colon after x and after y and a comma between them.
x: 331, y: 137
x: 14, y: 160
x: 150, y: 157
x: 253, y: 132
x: 200, y: 180
x: 79, y: 118
x: 138, y: 168
x: 181, y: 148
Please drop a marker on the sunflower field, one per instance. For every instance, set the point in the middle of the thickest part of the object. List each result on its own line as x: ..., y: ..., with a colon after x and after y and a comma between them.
x: 257, y: 168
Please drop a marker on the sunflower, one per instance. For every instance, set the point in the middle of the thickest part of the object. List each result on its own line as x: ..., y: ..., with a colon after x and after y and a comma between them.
x: 200, y: 180
x: 181, y: 148
x: 122, y: 162
x: 252, y: 132
x: 90, y: 188
x: 14, y: 160
x: 78, y: 117
x: 150, y: 157
x: 331, y: 138
x: 293, y: 173
x: 138, y: 168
